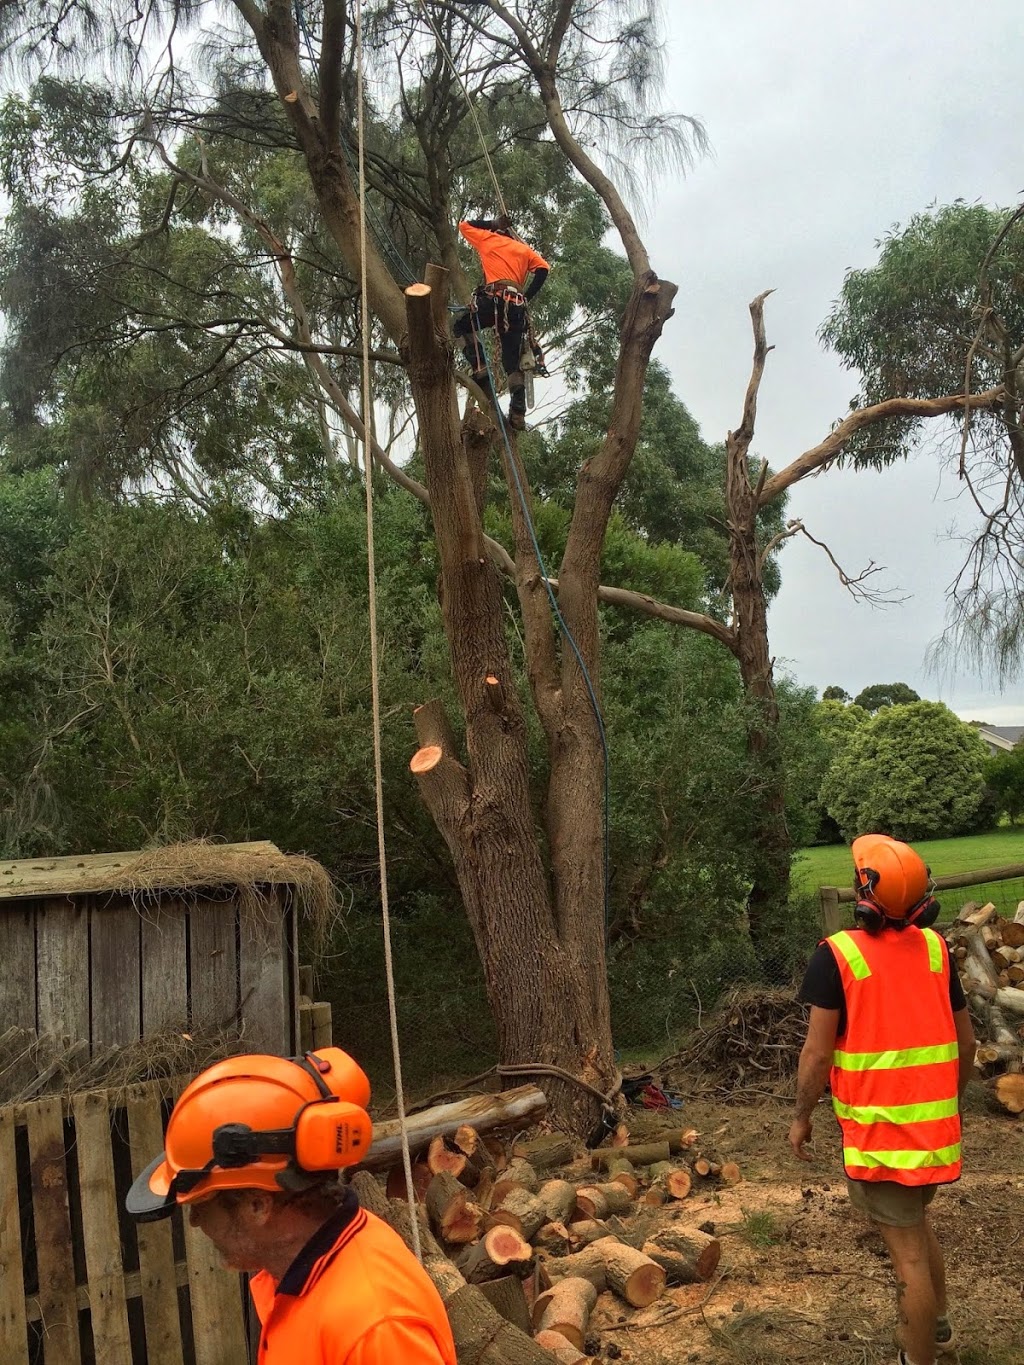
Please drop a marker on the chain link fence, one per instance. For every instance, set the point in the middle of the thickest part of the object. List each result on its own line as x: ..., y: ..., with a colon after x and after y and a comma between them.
x: 661, y: 991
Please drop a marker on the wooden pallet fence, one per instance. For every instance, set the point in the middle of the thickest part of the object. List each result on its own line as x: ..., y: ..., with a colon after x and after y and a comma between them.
x: 80, y: 1282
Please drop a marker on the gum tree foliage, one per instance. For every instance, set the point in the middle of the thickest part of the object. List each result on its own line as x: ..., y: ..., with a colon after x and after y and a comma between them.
x: 914, y: 771
x: 943, y: 308
x: 876, y: 696
x: 1004, y: 777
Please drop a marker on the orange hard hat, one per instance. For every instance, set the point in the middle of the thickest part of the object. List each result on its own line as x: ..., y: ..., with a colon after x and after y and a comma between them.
x: 889, y: 875
x: 258, y: 1122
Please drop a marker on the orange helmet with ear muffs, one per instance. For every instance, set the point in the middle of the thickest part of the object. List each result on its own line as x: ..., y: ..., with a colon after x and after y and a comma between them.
x: 258, y: 1122
x: 894, y: 888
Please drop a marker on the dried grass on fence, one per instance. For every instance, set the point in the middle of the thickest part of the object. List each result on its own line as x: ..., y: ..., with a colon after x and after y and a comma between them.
x: 748, y: 1049
x: 199, y: 865
x: 32, y: 1065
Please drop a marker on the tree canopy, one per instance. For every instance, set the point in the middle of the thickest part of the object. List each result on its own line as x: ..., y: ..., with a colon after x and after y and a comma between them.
x: 876, y: 696
x: 914, y: 771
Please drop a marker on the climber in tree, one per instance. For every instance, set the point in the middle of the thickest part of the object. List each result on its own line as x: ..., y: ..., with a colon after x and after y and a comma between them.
x: 500, y: 302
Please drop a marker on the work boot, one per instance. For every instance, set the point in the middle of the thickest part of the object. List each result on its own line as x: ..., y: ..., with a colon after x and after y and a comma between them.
x: 945, y: 1337
x: 517, y: 401
x: 483, y: 381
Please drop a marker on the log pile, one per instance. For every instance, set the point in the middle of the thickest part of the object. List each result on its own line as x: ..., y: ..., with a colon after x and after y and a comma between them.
x: 521, y: 1241
x: 988, y: 951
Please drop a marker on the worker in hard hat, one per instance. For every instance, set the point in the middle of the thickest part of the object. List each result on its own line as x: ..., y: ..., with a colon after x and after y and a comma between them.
x: 890, y: 1031
x: 252, y: 1153
x: 501, y: 302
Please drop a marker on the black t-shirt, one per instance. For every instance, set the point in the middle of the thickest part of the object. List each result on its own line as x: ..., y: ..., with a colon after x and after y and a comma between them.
x: 823, y: 986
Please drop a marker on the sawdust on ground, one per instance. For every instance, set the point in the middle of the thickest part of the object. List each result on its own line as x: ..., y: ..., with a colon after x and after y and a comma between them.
x: 802, y: 1278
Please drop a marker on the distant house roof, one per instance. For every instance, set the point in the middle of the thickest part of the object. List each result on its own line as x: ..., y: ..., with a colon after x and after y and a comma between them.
x: 1002, y: 736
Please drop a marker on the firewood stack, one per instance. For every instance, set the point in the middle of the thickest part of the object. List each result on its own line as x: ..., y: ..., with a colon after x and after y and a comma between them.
x: 520, y: 1254
x: 989, y: 953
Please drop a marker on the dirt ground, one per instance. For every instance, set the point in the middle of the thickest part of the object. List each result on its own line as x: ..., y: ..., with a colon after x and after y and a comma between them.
x: 802, y: 1278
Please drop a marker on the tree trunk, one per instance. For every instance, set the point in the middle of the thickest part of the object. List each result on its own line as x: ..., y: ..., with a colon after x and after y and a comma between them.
x: 772, y: 846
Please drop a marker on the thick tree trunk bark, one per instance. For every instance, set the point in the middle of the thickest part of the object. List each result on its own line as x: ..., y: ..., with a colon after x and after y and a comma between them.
x: 769, y: 892
x: 540, y: 987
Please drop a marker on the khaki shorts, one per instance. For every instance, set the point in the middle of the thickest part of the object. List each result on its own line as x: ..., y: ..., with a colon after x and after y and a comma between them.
x: 884, y: 1201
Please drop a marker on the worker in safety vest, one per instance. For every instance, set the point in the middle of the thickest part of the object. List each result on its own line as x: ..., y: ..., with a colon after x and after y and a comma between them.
x: 889, y: 1030
x: 501, y: 302
x: 252, y: 1153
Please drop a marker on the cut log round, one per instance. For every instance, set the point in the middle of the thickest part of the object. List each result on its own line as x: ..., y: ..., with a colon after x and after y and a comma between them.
x: 553, y: 1240
x: 441, y: 1157
x: 499, y: 1249
x: 563, y: 1351
x: 588, y: 1264
x: 616, y: 1197
x: 632, y: 1275
x: 521, y: 1210
x: 655, y: 1196
x: 506, y: 1296
x: 582, y: 1234
x: 520, y: 1172
x: 546, y: 1151
x: 591, y: 1203
x: 452, y: 1216
x: 566, y: 1309
x: 558, y: 1199
x: 641, y: 1155
x: 422, y: 1175
x: 730, y: 1173
x: 700, y: 1251
x: 1009, y: 1091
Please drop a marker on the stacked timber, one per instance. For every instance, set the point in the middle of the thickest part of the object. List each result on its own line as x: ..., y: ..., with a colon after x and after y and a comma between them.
x: 988, y: 951
x: 520, y: 1252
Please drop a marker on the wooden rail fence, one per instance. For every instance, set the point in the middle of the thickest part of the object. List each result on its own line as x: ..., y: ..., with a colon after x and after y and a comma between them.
x: 832, y: 897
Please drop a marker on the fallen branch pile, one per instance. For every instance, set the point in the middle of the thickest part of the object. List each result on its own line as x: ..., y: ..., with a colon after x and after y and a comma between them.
x: 989, y: 953
x: 748, y: 1049
x: 521, y: 1241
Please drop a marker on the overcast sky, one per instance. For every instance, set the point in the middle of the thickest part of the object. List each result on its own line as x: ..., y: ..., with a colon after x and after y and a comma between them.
x: 829, y: 124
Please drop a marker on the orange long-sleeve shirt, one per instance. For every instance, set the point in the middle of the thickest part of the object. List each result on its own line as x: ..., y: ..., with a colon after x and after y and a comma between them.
x: 355, y: 1295
x: 502, y: 258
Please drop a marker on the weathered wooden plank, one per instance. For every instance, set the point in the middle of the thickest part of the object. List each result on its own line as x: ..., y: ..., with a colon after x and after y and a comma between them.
x: 100, y: 1231
x: 58, y: 1303
x: 62, y: 957
x: 156, y: 1249
x: 213, y: 961
x: 164, y: 967
x: 13, y: 1326
x: 218, y: 1322
x: 114, y: 967
x: 263, y: 968
x: 18, y: 955
x: 83, y: 875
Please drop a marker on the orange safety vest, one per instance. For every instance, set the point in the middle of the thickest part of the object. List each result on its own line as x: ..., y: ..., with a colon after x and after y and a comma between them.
x: 502, y: 258
x: 355, y: 1294
x: 895, y: 1071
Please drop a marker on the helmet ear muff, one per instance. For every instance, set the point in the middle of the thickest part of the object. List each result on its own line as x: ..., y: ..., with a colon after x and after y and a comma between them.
x: 925, y: 912
x: 869, y: 917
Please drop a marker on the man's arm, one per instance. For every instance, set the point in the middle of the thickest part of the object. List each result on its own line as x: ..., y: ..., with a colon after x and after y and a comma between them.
x: 966, y: 1046
x: 812, y: 1075
x: 536, y: 283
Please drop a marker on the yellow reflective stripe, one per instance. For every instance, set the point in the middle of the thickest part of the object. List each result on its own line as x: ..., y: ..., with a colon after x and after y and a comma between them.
x: 935, y: 961
x: 893, y: 1060
x: 852, y: 955
x: 902, y: 1161
x: 896, y: 1113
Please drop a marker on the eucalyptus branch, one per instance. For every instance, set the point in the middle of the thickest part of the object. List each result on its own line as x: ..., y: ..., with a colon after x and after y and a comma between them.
x: 854, y: 583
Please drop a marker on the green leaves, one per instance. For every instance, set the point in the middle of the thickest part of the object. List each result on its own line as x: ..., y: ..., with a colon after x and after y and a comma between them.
x: 915, y: 772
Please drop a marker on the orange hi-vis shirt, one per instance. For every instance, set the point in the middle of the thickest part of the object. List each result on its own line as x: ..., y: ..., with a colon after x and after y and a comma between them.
x: 355, y: 1295
x: 502, y: 258
x: 895, y: 1071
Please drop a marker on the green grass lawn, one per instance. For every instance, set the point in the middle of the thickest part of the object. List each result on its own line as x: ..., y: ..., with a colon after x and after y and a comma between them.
x: 831, y: 865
